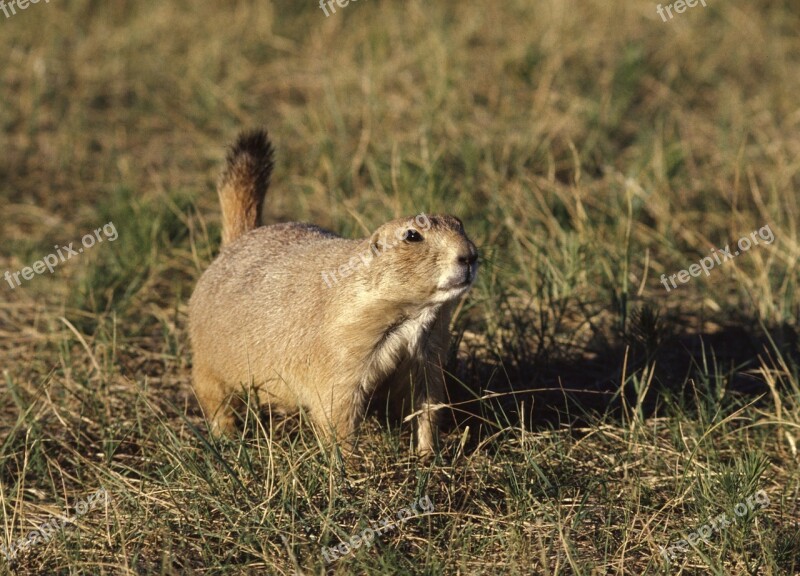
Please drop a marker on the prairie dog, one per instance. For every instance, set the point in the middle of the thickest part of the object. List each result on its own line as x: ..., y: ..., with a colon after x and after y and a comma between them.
x: 309, y: 319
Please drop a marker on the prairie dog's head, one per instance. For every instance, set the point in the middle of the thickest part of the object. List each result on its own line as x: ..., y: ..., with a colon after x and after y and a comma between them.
x: 422, y: 259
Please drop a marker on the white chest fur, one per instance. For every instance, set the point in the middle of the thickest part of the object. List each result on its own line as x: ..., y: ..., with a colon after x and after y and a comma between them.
x: 404, y: 340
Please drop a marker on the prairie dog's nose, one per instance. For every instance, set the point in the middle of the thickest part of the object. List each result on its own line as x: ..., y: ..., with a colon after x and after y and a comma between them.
x: 469, y: 258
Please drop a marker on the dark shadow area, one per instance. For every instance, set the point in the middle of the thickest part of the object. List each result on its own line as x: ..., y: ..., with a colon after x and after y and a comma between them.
x: 551, y: 390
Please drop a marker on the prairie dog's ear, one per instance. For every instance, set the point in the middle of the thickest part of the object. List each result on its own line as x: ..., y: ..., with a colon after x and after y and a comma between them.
x: 423, y: 222
x: 380, y: 241
x: 375, y: 241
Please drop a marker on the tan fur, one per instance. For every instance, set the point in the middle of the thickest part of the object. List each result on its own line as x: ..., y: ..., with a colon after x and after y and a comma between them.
x: 263, y: 316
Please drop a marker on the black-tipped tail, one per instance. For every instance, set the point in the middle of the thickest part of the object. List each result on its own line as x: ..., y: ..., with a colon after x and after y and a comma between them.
x: 244, y: 182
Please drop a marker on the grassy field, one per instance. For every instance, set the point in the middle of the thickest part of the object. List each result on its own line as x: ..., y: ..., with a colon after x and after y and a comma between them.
x: 601, y: 413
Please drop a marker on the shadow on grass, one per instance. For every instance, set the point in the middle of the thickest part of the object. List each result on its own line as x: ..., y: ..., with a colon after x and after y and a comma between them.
x: 693, y: 370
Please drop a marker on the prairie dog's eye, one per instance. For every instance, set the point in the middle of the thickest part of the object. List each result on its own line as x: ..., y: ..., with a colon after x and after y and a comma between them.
x: 412, y: 235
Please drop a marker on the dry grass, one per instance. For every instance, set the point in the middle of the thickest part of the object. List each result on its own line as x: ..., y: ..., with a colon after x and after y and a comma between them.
x: 588, y: 146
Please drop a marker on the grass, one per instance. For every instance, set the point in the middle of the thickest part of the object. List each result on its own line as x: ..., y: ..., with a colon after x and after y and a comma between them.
x: 588, y: 147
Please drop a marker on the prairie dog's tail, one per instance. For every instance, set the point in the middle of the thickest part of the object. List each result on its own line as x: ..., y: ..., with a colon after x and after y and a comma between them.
x: 243, y: 184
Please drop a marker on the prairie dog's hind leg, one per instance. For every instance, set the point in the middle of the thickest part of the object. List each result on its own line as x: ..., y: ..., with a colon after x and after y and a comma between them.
x: 215, y: 401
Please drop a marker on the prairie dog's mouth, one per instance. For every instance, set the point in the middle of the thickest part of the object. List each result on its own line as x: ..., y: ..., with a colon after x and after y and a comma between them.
x: 455, y: 285
x: 460, y: 281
